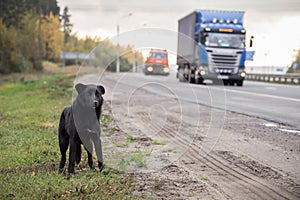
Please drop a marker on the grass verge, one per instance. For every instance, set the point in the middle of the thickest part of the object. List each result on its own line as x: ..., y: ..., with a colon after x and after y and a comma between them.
x: 29, y: 114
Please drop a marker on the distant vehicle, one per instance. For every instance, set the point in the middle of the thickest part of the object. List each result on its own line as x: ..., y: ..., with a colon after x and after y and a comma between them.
x: 157, y: 62
x: 211, y: 45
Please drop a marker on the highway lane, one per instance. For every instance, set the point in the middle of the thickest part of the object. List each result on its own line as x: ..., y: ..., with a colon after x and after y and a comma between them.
x: 273, y: 102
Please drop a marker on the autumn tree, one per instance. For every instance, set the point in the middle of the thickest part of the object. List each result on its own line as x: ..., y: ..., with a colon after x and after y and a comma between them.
x: 43, y: 7
x: 67, y: 26
x: 31, y: 31
x: 27, y: 43
x: 21, y: 39
x: 52, y: 38
x: 8, y: 49
x: 296, y: 62
x: 12, y: 12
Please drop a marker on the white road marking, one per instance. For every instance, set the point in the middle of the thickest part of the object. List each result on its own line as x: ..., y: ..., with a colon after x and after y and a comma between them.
x: 263, y: 95
x: 271, y: 88
x: 290, y: 131
x: 271, y: 124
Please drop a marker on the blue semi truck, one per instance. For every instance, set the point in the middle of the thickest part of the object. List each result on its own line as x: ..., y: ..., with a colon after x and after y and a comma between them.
x: 211, y: 45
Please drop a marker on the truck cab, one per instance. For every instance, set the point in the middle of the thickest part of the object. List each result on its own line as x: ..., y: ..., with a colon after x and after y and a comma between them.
x: 217, y: 50
x: 157, y: 62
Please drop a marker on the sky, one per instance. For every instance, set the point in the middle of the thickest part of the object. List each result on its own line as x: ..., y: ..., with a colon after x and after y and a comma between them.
x: 275, y: 24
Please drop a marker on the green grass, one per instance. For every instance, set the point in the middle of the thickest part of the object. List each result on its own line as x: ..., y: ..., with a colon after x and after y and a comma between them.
x: 173, y: 150
x: 204, y: 178
x: 105, y: 120
x: 130, y: 138
x: 121, y: 145
x: 158, y: 143
x: 136, y: 159
x: 47, y: 185
x: 29, y: 115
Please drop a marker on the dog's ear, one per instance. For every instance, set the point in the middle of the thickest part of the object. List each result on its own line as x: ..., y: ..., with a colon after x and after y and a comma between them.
x: 80, y: 87
x: 101, y: 88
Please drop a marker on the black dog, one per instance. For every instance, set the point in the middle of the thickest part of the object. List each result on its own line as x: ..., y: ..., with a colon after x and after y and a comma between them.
x: 79, y: 124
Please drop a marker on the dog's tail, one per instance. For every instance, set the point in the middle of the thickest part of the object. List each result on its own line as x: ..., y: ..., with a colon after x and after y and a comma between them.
x: 62, y: 120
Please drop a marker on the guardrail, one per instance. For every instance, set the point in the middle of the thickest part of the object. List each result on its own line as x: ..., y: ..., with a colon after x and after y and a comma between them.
x: 276, y: 78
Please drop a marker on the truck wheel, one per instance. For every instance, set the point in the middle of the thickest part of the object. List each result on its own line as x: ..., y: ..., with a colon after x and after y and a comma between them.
x: 199, y: 81
x: 180, y: 75
x: 191, y: 79
x: 239, y: 83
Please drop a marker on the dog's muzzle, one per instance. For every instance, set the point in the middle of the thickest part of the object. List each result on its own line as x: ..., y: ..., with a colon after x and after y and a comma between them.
x: 95, y: 103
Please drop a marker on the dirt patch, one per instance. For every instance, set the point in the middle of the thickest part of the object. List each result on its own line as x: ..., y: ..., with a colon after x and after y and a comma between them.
x: 261, y: 170
x: 171, y: 182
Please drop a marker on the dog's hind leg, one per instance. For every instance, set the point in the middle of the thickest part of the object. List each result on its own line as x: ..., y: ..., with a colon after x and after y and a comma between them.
x: 72, y: 156
x: 63, y: 145
x: 78, y: 154
x: 63, y: 140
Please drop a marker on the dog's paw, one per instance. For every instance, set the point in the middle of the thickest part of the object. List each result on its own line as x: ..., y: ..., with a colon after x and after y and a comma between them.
x: 70, y: 176
x: 60, y: 171
x: 71, y: 171
x: 100, y: 165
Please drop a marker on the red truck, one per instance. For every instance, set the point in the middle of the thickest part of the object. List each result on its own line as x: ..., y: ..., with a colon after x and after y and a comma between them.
x: 157, y: 62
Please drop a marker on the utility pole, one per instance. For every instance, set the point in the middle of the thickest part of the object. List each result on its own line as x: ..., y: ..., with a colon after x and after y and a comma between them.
x: 118, y: 50
x: 118, y: 45
x: 134, y: 61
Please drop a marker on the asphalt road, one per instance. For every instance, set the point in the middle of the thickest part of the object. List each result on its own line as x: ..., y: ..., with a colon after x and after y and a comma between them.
x: 274, y: 102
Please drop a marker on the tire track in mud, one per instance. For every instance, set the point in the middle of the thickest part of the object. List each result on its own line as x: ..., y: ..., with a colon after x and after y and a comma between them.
x: 162, y: 132
x: 255, y: 187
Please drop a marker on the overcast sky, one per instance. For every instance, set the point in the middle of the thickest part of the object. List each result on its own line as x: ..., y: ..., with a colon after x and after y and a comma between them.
x: 274, y: 23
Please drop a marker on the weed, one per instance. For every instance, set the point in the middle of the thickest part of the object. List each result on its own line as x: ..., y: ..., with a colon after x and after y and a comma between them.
x: 105, y: 120
x: 120, y: 144
x: 130, y: 138
x: 158, y: 143
x: 112, y: 130
x: 204, y: 178
x: 173, y: 150
x: 135, y: 158
x: 138, y: 158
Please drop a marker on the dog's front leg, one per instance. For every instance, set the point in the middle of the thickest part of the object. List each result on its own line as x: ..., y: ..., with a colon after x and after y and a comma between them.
x: 72, y: 156
x: 98, y: 148
x: 89, y: 149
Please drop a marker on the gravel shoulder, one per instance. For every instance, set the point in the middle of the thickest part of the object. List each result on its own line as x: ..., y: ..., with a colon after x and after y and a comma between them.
x: 217, y: 155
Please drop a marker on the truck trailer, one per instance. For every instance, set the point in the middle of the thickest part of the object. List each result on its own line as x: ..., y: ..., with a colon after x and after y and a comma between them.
x: 211, y: 45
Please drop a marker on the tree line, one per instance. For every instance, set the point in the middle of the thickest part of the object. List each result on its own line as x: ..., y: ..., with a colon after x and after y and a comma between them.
x: 32, y: 31
x: 296, y: 63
